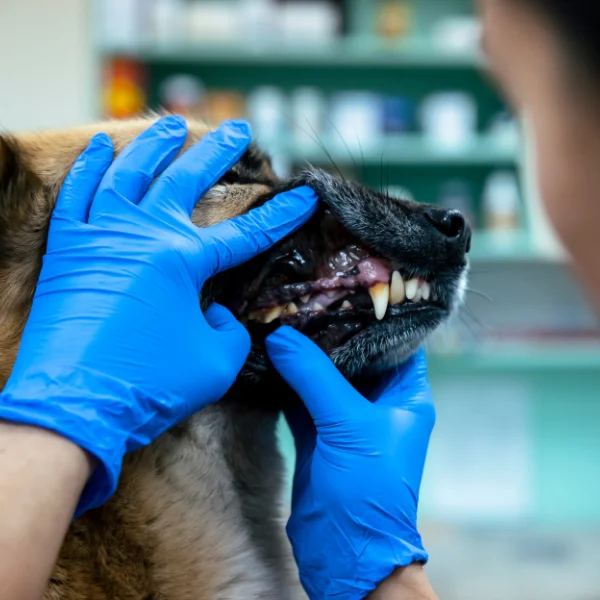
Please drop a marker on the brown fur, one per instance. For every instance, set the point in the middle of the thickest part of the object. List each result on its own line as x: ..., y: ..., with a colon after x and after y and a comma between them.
x: 191, y: 519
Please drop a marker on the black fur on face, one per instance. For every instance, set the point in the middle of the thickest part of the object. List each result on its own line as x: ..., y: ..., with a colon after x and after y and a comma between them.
x: 353, y: 227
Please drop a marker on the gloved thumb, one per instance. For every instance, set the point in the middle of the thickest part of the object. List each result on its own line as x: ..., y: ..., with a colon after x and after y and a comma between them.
x: 236, y: 337
x: 307, y: 369
x: 406, y: 386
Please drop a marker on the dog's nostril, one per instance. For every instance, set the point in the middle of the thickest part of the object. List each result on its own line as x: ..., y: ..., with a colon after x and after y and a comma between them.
x: 450, y: 223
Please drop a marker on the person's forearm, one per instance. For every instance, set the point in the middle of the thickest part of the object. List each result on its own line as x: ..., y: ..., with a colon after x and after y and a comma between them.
x: 42, y: 476
x: 408, y: 583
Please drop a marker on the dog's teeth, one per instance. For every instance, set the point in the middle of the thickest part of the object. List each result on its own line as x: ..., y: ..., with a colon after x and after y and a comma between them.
x: 305, y: 299
x: 412, y: 287
x: 272, y: 314
x: 426, y: 291
x: 380, y: 294
x: 291, y: 309
x: 346, y: 305
x: 267, y: 315
x: 418, y: 296
x: 317, y: 307
x: 397, y: 292
x: 330, y: 294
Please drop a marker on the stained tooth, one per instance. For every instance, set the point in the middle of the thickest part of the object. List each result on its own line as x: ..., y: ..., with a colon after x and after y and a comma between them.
x: 305, y: 299
x: 346, y: 305
x: 268, y: 315
x: 380, y: 294
x: 397, y: 292
x: 330, y: 294
x: 291, y: 309
x: 274, y: 313
x: 412, y: 287
x: 426, y: 291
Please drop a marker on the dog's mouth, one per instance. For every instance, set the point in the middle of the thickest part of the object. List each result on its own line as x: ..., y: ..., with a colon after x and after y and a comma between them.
x: 331, y: 286
x: 367, y: 278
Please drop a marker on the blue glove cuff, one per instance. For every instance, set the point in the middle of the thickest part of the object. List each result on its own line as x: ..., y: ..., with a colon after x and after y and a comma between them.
x: 105, y: 443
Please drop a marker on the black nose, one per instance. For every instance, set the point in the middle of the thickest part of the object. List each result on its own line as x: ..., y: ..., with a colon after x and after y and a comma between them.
x: 452, y: 225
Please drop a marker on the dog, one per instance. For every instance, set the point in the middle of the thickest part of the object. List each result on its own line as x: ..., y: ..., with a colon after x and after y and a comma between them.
x: 198, y: 514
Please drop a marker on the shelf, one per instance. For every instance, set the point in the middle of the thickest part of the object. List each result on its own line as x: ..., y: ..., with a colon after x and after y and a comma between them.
x: 404, y: 150
x: 339, y: 53
x: 509, y: 247
x: 520, y: 358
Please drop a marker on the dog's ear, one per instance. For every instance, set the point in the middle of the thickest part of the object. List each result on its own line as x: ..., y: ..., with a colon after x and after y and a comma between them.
x: 18, y: 185
x: 13, y: 177
x: 21, y: 212
x: 9, y: 164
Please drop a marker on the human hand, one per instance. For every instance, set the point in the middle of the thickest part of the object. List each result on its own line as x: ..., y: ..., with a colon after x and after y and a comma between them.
x: 116, y: 349
x: 358, y: 469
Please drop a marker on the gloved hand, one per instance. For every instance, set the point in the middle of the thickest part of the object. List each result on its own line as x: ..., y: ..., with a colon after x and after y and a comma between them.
x: 116, y: 349
x: 358, y: 469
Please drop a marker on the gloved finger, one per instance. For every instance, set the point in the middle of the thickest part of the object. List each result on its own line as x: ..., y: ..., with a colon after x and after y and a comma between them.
x: 81, y: 183
x: 237, y: 338
x: 308, y: 370
x: 144, y: 159
x: 237, y: 240
x: 185, y: 181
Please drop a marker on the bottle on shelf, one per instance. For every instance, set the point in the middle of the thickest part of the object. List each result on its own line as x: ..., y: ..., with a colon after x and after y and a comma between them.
x: 449, y: 121
x: 394, y: 19
x: 185, y: 95
x: 502, y: 202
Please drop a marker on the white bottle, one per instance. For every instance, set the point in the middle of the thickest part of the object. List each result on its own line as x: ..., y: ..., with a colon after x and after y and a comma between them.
x: 502, y: 202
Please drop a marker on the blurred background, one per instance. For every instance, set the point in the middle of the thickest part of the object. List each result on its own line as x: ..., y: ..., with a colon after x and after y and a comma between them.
x: 392, y: 93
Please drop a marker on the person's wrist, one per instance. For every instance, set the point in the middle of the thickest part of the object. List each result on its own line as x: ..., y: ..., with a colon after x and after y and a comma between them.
x: 102, y: 442
x: 405, y: 583
x: 76, y: 464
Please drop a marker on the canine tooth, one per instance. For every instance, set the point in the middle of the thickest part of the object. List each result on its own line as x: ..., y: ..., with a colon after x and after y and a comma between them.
x: 412, y: 287
x: 305, y: 299
x: 426, y: 291
x: 291, y: 309
x: 380, y: 294
x: 397, y: 292
x: 346, y: 305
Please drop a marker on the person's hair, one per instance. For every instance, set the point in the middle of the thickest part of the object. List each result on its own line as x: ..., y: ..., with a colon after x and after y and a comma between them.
x: 578, y: 24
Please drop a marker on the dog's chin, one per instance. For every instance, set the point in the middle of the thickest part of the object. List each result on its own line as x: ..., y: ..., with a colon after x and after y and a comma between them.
x: 387, y: 344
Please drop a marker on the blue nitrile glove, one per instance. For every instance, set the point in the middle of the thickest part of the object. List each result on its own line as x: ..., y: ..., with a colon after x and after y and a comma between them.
x: 358, y: 469
x: 116, y: 349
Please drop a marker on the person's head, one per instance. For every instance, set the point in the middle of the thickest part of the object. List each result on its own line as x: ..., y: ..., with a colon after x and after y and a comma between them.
x: 545, y: 55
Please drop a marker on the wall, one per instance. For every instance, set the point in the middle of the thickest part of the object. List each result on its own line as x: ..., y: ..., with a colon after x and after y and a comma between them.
x: 47, y: 74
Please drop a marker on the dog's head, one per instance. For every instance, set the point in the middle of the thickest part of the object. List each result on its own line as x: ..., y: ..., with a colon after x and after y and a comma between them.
x: 367, y: 278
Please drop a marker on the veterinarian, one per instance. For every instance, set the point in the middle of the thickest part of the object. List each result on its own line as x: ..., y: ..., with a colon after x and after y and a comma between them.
x: 110, y: 356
